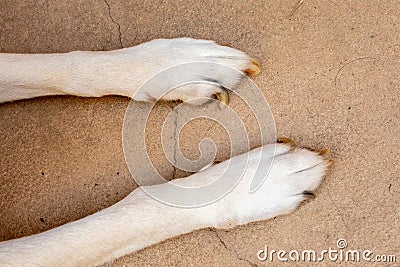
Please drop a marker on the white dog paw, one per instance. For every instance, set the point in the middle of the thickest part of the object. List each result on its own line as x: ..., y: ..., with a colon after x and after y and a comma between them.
x: 187, y: 50
x: 294, y: 175
x: 213, y: 68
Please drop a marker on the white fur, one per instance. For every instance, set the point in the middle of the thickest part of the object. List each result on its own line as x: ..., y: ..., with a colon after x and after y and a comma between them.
x: 139, y: 221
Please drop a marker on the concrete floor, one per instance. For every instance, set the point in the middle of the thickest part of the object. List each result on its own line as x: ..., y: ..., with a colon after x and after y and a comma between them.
x: 331, y: 77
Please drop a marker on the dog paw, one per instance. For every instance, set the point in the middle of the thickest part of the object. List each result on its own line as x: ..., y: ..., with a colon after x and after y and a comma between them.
x: 212, y: 67
x: 294, y: 175
x: 187, y: 50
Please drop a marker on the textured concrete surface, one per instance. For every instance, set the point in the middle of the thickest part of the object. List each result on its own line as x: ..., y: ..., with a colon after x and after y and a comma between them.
x: 330, y: 74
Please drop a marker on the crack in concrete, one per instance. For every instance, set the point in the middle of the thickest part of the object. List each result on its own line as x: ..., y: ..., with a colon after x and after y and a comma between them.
x: 252, y: 264
x: 337, y: 209
x: 116, y: 23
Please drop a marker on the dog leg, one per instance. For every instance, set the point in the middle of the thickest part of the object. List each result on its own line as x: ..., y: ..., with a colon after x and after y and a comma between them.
x: 139, y: 220
x: 119, y: 72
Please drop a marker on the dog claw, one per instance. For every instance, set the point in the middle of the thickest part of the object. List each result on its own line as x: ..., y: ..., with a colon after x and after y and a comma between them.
x: 254, y: 68
x: 308, y: 194
x: 284, y: 140
x: 324, y: 152
x: 223, y: 97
